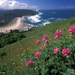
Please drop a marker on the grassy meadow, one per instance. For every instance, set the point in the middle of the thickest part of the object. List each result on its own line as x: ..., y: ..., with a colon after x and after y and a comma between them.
x: 15, y: 55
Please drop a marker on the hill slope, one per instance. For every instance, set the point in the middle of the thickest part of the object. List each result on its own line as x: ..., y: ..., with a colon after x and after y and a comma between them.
x: 14, y: 52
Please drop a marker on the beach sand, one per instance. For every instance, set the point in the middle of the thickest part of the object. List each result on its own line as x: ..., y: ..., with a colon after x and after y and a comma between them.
x: 15, y: 24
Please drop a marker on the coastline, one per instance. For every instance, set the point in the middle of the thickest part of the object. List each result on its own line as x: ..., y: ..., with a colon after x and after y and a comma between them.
x: 17, y: 24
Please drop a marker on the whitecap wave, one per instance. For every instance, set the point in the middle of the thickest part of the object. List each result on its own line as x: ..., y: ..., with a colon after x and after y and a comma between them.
x: 40, y: 13
x: 35, y: 18
x: 45, y: 23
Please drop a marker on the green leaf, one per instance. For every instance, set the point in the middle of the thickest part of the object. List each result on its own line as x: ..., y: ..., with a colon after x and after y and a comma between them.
x: 69, y: 72
x: 14, y: 73
x: 46, y: 70
x: 53, y: 71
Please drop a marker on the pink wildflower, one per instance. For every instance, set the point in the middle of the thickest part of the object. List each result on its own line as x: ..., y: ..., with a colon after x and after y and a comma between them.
x: 45, y: 37
x: 42, y: 48
x: 29, y: 63
x: 21, y: 48
x: 38, y: 42
x: 72, y: 29
x: 46, y: 43
x: 56, y: 50
x: 37, y: 54
x: 65, y: 51
x: 58, y: 34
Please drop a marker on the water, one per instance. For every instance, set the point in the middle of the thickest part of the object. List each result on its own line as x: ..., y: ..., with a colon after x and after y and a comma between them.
x: 47, y: 16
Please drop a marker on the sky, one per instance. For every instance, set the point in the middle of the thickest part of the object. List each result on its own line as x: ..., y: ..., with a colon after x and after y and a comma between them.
x: 37, y: 4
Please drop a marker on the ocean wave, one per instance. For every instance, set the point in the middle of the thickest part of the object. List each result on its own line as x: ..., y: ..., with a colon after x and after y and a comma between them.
x: 35, y: 18
x: 51, y: 18
x: 37, y: 9
x: 45, y: 23
x: 48, y: 16
x: 40, y: 13
x: 59, y: 19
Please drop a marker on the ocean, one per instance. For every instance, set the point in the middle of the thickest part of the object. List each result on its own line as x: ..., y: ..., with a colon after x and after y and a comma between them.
x: 48, y: 16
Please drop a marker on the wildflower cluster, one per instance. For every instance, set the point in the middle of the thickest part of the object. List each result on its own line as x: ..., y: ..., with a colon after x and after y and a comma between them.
x: 37, y: 54
x: 42, y: 48
x: 38, y: 42
x: 53, y: 57
x: 29, y: 63
x: 72, y: 29
x: 45, y: 37
x: 58, y: 34
x: 65, y: 52
x: 56, y: 50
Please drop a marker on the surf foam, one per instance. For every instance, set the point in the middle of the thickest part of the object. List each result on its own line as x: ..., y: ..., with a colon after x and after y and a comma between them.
x: 35, y: 18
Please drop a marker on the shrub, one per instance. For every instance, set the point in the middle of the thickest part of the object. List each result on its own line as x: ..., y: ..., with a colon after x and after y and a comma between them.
x: 11, y: 37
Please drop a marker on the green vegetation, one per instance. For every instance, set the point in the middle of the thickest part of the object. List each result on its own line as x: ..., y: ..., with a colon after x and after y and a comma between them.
x: 9, y: 38
x: 72, y: 22
x: 14, y: 56
x: 7, y: 15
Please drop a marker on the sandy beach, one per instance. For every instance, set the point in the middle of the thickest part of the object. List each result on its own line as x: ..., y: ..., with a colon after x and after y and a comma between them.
x: 15, y: 24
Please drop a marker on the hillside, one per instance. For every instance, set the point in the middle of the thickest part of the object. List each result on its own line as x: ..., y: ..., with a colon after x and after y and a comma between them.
x: 7, y: 15
x: 15, y: 55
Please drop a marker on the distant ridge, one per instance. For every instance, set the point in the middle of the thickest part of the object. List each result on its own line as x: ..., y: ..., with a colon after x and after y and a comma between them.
x: 7, y: 15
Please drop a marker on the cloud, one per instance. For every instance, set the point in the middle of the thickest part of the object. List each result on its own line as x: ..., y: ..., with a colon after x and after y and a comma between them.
x: 7, y: 4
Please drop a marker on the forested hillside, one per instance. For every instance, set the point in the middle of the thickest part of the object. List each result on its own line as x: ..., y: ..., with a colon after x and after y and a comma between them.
x: 7, y: 15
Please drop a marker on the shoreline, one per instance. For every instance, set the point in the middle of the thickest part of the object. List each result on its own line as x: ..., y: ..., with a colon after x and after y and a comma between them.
x: 15, y: 24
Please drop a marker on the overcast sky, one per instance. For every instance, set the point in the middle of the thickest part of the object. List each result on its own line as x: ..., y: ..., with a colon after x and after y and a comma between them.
x: 37, y: 4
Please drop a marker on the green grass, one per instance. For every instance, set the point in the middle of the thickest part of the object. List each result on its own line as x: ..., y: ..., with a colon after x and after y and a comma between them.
x: 14, y: 59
